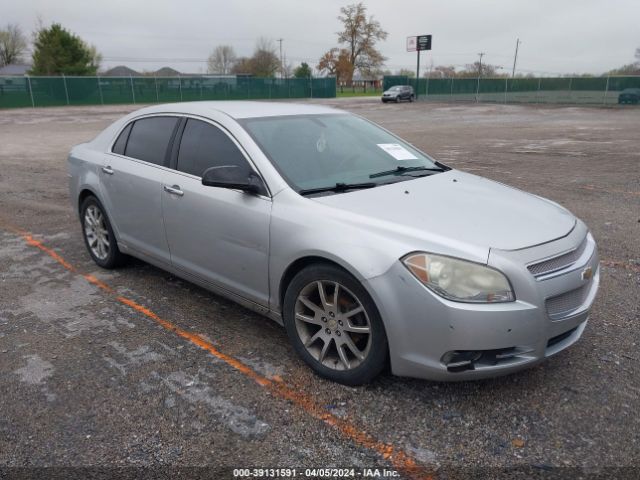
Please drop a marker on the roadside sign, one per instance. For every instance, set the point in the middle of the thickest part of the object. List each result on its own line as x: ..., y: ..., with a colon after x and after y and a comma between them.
x: 424, y: 42
x: 412, y: 44
x: 417, y: 44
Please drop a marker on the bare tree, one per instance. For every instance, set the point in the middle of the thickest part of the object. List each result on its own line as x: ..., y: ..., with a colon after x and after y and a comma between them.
x: 13, y: 44
x: 630, y: 69
x: 221, y: 60
x: 405, y: 72
x: 444, y: 71
x: 242, y: 66
x: 265, y: 61
x: 360, y: 35
x: 287, y: 68
x: 472, y: 70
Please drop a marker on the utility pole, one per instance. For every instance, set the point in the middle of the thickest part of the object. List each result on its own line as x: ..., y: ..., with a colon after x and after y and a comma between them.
x: 481, y: 54
x: 515, y: 58
x: 417, y: 92
x: 281, y: 64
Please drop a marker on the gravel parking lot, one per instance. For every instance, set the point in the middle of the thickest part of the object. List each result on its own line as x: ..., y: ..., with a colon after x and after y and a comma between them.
x: 135, y: 367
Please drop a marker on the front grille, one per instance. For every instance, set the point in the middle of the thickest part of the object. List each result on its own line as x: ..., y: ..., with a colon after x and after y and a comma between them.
x: 560, y: 305
x: 558, y: 263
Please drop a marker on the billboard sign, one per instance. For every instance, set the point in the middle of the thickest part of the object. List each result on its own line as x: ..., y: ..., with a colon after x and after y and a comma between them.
x: 423, y: 42
x: 412, y: 44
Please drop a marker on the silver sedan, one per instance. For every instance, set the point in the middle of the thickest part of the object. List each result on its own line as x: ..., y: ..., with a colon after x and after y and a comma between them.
x: 367, y: 250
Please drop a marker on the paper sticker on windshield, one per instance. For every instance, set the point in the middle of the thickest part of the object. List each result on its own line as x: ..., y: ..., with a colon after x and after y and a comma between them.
x: 397, y: 151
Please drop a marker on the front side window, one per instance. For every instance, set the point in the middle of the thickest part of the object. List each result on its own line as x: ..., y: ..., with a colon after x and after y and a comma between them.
x: 316, y: 151
x: 149, y: 139
x: 204, y: 146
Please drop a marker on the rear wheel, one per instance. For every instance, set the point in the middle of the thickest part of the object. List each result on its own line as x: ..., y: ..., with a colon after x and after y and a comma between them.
x: 98, y: 234
x: 334, y: 325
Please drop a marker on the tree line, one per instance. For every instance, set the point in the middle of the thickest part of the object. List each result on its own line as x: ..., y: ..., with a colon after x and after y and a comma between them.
x: 58, y: 51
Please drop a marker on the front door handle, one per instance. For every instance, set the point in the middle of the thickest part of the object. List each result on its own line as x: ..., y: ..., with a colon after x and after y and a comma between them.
x: 174, y: 190
x: 108, y: 170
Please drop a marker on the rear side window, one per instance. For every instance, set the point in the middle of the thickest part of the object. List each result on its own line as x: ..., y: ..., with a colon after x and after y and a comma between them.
x: 121, y: 142
x: 149, y: 139
x: 204, y: 146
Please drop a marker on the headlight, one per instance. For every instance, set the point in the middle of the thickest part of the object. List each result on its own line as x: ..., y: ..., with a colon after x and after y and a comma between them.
x: 459, y: 280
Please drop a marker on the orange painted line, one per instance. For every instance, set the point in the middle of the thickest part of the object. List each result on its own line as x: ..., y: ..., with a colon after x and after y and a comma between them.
x: 395, y: 456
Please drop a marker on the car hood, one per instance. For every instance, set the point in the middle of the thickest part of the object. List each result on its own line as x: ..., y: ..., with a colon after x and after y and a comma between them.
x: 461, y: 207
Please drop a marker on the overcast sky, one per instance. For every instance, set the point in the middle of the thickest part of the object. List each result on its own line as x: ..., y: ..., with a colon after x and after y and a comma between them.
x: 558, y: 36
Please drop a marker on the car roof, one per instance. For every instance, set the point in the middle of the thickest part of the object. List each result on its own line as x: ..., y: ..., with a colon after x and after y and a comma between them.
x: 238, y: 109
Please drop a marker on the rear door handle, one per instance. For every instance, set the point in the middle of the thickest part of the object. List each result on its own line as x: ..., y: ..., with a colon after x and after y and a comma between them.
x: 108, y: 170
x: 174, y: 190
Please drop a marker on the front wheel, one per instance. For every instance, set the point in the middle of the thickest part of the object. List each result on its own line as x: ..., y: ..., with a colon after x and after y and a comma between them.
x: 98, y: 234
x: 334, y: 325
x: 412, y: 98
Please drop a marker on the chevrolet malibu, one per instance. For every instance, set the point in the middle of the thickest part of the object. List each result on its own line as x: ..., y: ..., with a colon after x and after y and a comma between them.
x: 368, y: 251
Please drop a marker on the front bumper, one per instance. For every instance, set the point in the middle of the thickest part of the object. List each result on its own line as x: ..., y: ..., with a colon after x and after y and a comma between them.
x: 424, y: 330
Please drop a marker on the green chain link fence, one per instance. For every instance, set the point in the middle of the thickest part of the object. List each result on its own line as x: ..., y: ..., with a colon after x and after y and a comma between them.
x: 56, y: 91
x: 564, y: 90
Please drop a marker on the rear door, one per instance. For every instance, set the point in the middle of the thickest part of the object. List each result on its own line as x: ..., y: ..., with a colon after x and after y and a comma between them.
x: 218, y: 234
x: 132, y: 184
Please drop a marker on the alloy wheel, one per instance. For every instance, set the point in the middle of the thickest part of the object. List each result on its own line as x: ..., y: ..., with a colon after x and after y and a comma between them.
x: 96, y: 232
x: 333, y: 325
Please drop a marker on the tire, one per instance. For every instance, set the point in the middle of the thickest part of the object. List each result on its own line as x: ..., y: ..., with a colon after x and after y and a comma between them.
x: 411, y: 98
x: 398, y: 99
x: 105, y: 253
x: 384, y: 101
x: 325, y: 336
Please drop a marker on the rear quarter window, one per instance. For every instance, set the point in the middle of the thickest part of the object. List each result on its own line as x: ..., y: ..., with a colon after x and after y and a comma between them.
x: 149, y: 139
x: 121, y: 142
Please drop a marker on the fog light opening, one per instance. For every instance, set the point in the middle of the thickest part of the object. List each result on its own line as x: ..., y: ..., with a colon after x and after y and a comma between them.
x: 461, y: 360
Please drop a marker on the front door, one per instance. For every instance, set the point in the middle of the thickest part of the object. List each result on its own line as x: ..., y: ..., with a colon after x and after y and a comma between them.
x: 217, y: 234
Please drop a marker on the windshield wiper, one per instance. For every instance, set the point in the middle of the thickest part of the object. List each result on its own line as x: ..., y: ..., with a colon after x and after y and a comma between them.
x: 338, y: 187
x: 401, y: 169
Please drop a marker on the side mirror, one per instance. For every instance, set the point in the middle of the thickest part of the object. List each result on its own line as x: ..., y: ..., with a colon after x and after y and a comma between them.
x: 234, y: 177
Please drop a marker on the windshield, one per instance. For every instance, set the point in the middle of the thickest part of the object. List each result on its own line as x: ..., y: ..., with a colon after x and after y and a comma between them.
x: 393, y: 89
x: 315, y: 151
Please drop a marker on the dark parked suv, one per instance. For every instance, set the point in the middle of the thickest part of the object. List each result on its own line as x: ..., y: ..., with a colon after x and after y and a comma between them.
x: 629, y: 95
x: 397, y: 93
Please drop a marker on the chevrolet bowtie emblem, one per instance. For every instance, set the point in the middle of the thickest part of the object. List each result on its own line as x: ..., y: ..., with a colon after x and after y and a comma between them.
x: 587, y: 273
